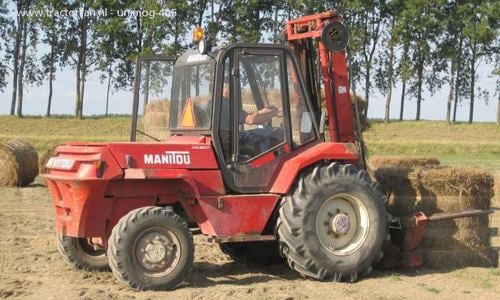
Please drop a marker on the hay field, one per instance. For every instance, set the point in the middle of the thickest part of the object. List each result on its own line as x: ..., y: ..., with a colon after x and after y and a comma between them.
x: 475, y: 145
x: 461, y: 144
x: 31, y: 267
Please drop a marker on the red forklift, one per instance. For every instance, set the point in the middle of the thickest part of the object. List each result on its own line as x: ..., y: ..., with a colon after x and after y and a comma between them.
x: 239, y: 154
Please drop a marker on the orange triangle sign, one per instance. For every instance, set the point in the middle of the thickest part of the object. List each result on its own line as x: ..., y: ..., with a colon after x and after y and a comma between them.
x: 188, y: 119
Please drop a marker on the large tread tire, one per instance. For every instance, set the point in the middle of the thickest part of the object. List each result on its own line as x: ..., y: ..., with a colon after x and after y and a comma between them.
x: 254, y: 253
x: 80, y: 254
x: 299, y: 240
x: 123, y: 248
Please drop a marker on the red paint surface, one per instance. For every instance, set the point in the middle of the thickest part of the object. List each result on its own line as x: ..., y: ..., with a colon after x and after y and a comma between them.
x: 322, y: 151
x: 200, y: 151
x: 237, y: 215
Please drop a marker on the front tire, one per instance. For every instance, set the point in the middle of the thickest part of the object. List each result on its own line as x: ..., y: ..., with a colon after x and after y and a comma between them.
x: 151, y: 248
x: 79, y: 253
x: 333, y: 224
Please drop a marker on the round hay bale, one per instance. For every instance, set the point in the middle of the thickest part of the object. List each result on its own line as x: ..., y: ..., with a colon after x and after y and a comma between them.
x: 44, y: 158
x: 18, y: 163
x: 398, y: 161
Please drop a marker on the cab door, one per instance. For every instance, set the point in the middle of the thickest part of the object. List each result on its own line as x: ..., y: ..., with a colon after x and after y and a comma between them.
x: 260, y: 140
x: 251, y: 81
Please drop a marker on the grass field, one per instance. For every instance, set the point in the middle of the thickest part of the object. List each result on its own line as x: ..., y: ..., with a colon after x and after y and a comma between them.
x: 31, y: 267
x: 461, y: 144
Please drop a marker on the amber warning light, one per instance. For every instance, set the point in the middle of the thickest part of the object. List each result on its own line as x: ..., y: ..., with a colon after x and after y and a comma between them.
x: 197, y: 34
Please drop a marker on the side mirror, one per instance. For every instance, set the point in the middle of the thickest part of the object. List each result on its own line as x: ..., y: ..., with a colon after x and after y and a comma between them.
x: 306, y: 122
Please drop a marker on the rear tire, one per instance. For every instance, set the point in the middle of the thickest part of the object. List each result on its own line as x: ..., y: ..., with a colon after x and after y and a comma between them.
x: 257, y: 253
x: 151, y: 248
x: 333, y: 224
x: 79, y: 253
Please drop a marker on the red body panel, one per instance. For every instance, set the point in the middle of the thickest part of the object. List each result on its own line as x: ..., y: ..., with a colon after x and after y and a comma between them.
x: 89, y: 203
x: 237, y: 215
x: 322, y: 151
x: 180, y: 152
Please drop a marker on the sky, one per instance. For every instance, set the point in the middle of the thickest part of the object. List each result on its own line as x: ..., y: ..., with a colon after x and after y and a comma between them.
x: 35, y: 103
x: 35, y: 98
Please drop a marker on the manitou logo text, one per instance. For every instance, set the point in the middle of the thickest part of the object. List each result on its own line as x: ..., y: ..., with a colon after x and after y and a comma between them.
x: 169, y: 158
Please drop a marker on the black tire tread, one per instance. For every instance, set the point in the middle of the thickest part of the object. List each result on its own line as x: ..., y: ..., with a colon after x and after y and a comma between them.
x: 70, y: 252
x: 293, y: 209
x: 124, y: 225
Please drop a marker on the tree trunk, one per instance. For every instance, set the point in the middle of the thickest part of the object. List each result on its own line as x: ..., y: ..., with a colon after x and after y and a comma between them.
x: 457, y: 86
x: 51, y: 79
x: 107, y: 91
x: 82, y: 90
x: 77, y: 101
x: 458, y: 80
x: 275, y: 24
x: 15, y: 69
x: 419, y: 88
x: 404, y: 79
x: 367, y: 89
x: 498, y: 110
x: 20, y: 77
x: 49, y: 101
x: 472, y: 83
x: 451, y: 93
x: 403, y: 93
x: 82, y: 66
x: 389, y: 84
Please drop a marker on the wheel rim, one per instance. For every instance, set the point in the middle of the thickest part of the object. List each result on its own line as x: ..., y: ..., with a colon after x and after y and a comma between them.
x: 90, y: 249
x: 342, y: 224
x: 157, y: 251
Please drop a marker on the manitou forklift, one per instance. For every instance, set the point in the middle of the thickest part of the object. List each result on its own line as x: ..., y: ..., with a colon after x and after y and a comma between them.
x: 231, y: 143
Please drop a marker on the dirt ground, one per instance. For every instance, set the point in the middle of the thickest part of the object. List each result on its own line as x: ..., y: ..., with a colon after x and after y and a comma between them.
x: 31, y: 267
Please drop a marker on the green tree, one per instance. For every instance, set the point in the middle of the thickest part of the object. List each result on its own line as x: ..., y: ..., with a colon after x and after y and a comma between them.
x: 366, y: 20
x: 79, y: 47
x: 480, y: 32
x: 421, y: 30
x: 53, y: 27
x: 5, y: 22
x: 386, y: 62
x: 23, y: 37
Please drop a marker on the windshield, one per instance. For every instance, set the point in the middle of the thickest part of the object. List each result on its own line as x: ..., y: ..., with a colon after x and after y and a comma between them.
x: 168, y: 96
x: 191, y: 106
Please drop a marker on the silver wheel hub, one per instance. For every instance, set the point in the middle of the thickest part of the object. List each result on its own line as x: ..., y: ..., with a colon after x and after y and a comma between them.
x: 340, y: 224
x: 157, y: 253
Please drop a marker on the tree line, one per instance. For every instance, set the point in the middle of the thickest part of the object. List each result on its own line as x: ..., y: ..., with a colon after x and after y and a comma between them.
x: 423, y: 45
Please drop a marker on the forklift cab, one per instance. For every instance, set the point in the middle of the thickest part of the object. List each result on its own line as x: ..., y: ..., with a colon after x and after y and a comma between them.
x: 248, y: 98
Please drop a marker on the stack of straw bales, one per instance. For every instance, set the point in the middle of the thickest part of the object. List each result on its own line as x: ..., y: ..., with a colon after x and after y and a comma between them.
x: 155, y: 118
x: 420, y: 184
x: 18, y: 163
